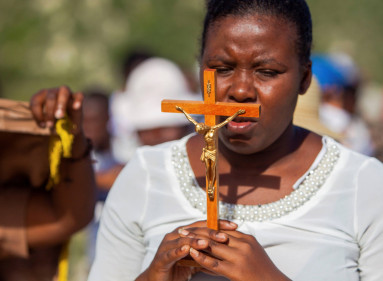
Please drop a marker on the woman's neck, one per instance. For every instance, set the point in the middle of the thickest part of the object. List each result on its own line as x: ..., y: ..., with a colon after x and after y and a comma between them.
x: 279, y: 151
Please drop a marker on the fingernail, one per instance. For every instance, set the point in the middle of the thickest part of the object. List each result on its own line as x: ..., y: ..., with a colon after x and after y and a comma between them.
x: 59, y: 113
x: 220, y: 235
x: 185, y: 248
x: 201, y: 242
x: 76, y: 105
x: 194, y: 252
x: 183, y: 232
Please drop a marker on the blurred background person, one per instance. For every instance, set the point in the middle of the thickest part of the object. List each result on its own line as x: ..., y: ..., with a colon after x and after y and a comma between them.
x: 148, y: 84
x: 131, y: 61
x: 36, y: 222
x: 106, y: 167
x: 306, y: 113
x: 376, y: 124
x: 339, y: 81
x: 124, y: 140
x: 138, y: 112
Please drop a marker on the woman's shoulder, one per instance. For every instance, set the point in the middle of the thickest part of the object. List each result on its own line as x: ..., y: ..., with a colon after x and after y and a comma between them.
x: 352, y: 159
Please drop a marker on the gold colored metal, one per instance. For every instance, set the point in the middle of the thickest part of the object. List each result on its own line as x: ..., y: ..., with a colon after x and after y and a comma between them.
x: 209, y: 152
x: 208, y: 85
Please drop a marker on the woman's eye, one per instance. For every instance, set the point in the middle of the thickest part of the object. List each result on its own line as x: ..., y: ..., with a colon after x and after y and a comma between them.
x: 268, y: 72
x: 223, y: 70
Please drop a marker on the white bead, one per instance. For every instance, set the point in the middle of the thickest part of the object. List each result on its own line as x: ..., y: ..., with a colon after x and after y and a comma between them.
x: 197, y: 197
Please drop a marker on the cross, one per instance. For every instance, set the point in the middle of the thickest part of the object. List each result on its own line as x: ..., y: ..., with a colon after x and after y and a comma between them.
x: 211, y: 109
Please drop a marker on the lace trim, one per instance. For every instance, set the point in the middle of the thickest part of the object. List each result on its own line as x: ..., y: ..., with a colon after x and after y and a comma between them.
x: 308, y: 187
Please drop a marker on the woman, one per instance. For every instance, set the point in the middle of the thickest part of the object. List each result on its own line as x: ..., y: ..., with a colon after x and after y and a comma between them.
x: 299, y: 199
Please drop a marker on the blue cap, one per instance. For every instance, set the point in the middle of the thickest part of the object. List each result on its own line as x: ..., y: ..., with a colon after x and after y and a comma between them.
x: 327, y: 72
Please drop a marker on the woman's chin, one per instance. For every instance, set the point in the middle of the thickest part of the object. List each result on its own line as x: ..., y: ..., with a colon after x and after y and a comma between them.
x: 239, y: 145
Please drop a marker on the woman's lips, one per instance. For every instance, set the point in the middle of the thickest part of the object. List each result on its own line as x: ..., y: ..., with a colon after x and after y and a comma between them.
x: 240, y: 127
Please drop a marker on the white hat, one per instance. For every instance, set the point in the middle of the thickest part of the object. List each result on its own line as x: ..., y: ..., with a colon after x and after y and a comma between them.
x: 149, y: 83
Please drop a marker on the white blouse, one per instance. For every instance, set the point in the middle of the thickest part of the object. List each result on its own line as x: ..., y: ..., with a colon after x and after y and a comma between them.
x: 329, y: 228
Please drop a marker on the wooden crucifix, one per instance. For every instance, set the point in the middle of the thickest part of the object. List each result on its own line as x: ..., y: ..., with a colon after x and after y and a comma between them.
x: 211, y: 109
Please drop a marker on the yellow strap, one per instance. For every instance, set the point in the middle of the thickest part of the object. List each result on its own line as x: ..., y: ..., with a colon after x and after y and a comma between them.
x: 60, y: 146
x: 63, y: 263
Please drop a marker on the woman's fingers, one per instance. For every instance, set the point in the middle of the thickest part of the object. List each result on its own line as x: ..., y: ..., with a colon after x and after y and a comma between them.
x: 174, y: 250
x: 227, y: 225
x: 168, y: 258
x: 37, y: 105
x: 209, y: 263
x: 63, y: 97
x: 47, y: 105
x: 203, y: 232
x: 76, y: 111
x: 222, y: 245
x: 77, y: 100
x: 223, y: 225
x: 195, y: 235
x: 50, y: 107
x: 240, y: 259
x: 198, y: 243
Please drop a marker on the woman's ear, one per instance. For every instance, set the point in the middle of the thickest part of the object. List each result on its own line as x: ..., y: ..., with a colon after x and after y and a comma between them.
x: 306, y: 78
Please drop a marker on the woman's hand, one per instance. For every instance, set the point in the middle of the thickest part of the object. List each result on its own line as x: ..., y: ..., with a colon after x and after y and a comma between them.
x: 48, y: 105
x: 240, y: 258
x: 176, y: 246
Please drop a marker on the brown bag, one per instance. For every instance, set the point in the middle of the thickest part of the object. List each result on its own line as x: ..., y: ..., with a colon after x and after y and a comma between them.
x: 15, y: 116
x: 24, y: 165
x: 23, y: 146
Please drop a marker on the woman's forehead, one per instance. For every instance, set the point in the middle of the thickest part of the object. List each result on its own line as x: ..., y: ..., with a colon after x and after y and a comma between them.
x: 249, y: 33
x: 251, y: 19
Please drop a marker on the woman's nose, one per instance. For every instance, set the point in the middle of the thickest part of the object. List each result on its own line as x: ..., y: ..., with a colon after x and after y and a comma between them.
x: 242, y: 88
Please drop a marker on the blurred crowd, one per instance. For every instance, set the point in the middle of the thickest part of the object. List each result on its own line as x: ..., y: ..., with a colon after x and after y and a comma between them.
x: 114, y: 123
x: 118, y: 122
x: 339, y: 104
x: 130, y: 117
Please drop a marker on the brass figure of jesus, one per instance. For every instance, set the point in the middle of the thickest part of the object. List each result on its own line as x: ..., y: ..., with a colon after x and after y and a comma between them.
x: 209, y: 153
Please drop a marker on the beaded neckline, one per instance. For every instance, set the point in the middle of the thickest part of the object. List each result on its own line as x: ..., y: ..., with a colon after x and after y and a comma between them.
x: 307, y: 188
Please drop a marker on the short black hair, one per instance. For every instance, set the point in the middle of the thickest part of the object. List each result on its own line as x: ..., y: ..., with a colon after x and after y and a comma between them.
x: 294, y: 11
x: 98, y: 94
x: 133, y: 59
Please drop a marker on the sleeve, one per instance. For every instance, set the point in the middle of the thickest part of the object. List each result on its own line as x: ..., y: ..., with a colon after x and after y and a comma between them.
x: 13, y: 238
x: 369, y: 220
x: 120, y: 247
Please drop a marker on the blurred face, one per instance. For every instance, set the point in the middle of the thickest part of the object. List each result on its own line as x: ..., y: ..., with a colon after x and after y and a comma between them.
x: 160, y: 135
x: 256, y: 62
x: 95, y: 124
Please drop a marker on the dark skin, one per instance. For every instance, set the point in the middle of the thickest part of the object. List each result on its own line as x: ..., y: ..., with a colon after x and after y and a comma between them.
x: 257, y: 62
x: 53, y: 217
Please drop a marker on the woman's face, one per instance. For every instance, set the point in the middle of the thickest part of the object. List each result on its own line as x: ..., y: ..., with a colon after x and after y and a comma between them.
x: 256, y: 62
